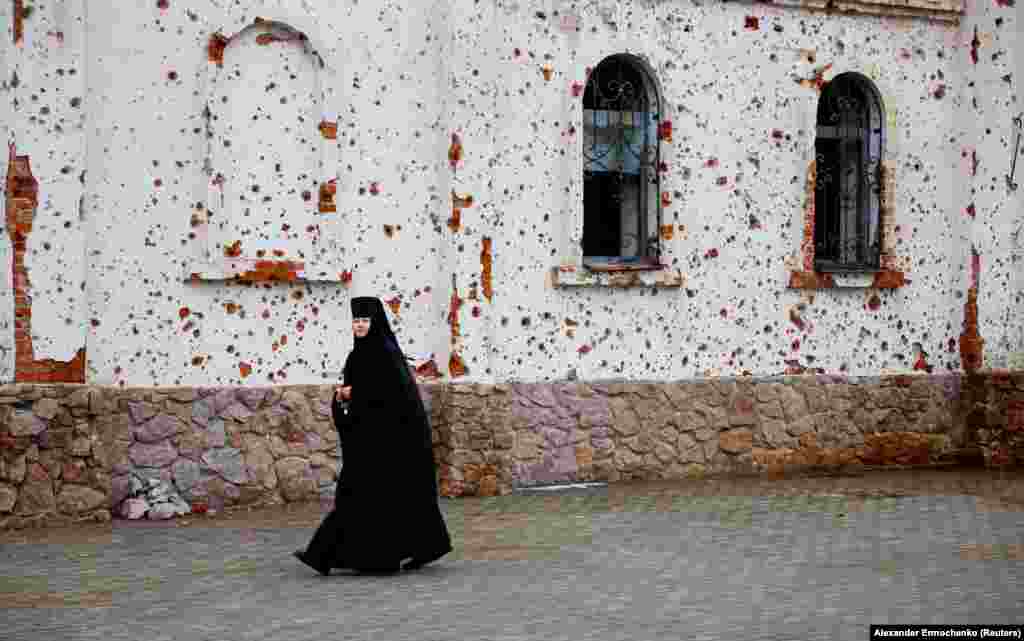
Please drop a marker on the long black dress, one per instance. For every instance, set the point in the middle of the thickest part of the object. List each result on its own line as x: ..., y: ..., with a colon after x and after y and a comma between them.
x: 386, y: 503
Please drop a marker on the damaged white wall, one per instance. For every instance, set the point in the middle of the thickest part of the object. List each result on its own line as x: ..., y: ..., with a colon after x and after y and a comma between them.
x: 110, y: 104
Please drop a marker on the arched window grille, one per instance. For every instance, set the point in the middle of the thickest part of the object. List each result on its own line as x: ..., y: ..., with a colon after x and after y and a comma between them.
x: 621, y: 204
x: 848, y: 152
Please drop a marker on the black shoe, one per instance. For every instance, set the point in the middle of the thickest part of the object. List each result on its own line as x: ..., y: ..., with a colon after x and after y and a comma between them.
x: 417, y: 563
x: 379, y: 571
x: 301, y: 556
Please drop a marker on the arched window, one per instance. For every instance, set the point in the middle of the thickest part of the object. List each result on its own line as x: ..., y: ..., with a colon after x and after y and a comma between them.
x: 847, y: 198
x: 621, y: 204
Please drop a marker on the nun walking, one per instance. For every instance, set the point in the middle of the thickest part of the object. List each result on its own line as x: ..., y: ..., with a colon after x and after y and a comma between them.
x: 386, y: 515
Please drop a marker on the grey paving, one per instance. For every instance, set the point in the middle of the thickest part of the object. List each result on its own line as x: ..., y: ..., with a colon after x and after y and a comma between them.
x: 695, y: 568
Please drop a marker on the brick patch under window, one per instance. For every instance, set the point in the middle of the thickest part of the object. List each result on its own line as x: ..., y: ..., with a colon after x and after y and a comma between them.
x: 817, y: 280
x: 891, y: 275
x: 248, y: 270
x: 948, y: 11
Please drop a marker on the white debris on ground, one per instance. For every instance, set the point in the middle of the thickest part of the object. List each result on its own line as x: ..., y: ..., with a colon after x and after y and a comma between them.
x: 153, y: 498
x: 568, y: 486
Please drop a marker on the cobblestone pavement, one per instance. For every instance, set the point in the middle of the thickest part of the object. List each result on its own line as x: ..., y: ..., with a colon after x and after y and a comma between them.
x: 794, y: 559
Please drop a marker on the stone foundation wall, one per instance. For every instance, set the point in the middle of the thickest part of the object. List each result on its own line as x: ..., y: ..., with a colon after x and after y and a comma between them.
x: 68, y: 452
x: 54, y: 465
x: 548, y: 433
x: 993, y: 413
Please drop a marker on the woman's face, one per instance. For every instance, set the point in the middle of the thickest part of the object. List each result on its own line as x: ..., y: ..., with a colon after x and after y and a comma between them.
x: 360, y: 327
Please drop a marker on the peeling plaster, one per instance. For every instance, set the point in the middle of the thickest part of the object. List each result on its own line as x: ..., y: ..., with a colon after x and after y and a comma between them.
x: 22, y: 200
x: 485, y: 268
x: 18, y: 19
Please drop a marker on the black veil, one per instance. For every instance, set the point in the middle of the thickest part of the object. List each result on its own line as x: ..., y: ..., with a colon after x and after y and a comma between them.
x: 380, y: 329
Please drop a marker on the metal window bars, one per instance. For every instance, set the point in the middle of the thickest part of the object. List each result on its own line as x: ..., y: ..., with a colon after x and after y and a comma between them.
x: 848, y: 150
x: 620, y: 149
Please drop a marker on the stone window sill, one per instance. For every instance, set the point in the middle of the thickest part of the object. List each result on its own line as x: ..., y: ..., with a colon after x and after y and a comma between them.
x: 884, y: 279
x: 949, y: 11
x: 608, y: 265
x: 257, y: 270
x: 618, y: 276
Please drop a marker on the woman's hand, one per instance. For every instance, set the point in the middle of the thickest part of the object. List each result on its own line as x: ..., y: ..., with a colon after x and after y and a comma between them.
x: 343, y: 393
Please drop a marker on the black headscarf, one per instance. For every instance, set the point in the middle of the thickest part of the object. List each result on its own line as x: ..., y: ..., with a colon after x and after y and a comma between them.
x: 378, y: 366
x: 380, y: 334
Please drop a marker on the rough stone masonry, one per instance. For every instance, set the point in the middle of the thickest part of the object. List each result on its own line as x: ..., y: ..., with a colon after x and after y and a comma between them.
x: 73, y: 452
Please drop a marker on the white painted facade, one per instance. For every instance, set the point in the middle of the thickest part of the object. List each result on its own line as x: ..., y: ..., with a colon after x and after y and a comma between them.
x: 124, y: 119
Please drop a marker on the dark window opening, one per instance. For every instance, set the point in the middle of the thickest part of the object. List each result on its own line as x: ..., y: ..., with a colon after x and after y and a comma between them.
x: 621, y: 200
x: 847, y: 199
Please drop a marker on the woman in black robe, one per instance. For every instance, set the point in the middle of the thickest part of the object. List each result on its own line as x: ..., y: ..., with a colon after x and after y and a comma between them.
x: 386, y: 503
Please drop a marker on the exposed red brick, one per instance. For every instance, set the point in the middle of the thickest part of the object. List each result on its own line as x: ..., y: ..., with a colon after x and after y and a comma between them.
x: 21, y: 203
x: 810, y: 280
x: 329, y: 130
x: 455, y: 222
x: 453, y: 311
x: 886, y: 279
x: 665, y: 131
x: 456, y: 367
x: 807, y: 244
x: 328, y: 191
x: 19, y: 21
x: 215, y: 49
x: 971, y: 343
x: 485, y: 268
x: 455, y: 152
x: 273, y: 271
x: 889, y: 280
x: 458, y: 204
x: 874, y: 302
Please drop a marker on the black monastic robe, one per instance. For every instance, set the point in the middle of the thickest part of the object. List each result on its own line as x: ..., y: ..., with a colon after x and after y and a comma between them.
x: 386, y: 502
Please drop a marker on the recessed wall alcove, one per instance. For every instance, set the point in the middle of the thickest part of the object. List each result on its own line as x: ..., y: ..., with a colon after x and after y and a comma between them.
x: 267, y: 210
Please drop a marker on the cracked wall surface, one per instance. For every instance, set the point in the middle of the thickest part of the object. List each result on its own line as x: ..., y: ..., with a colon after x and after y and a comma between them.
x: 444, y: 164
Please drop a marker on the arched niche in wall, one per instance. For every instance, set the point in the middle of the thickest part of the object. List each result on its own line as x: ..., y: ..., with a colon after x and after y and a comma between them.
x: 270, y: 159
